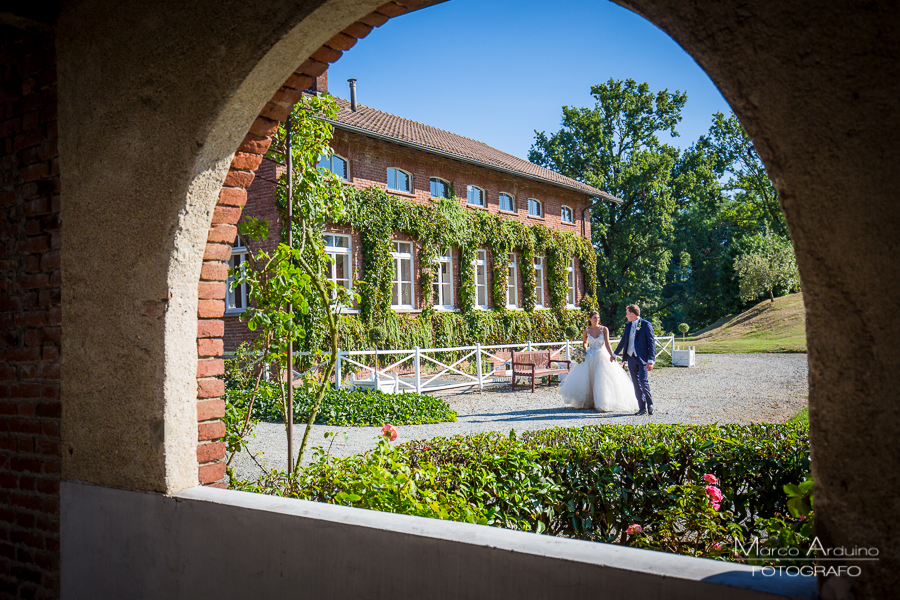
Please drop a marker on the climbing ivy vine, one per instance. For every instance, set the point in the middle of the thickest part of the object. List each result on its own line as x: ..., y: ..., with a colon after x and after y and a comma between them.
x: 437, y: 227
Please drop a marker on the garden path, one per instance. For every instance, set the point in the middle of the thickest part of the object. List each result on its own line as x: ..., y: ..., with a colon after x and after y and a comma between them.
x: 722, y: 388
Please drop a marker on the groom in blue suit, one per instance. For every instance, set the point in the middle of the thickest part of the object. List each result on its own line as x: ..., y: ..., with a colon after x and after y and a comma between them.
x: 640, y: 352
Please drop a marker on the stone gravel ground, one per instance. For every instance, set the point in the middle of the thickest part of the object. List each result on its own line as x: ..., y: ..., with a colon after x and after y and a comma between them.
x: 721, y: 388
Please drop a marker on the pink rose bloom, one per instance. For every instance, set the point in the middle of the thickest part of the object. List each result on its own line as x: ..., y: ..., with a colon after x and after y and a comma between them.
x: 633, y: 529
x: 389, y: 432
x: 711, y: 479
x: 714, y: 493
x: 717, y: 546
x: 716, y: 505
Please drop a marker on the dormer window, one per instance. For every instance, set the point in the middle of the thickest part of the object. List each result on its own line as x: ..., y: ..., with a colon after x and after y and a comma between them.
x: 335, y: 164
x: 439, y: 188
x: 399, y: 180
x: 475, y: 195
x: 566, y: 215
x: 507, y: 203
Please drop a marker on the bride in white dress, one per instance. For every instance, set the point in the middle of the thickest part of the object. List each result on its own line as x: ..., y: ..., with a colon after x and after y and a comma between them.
x: 598, y: 382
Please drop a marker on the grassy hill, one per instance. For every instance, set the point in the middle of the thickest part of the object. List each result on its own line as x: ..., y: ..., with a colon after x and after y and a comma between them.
x: 767, y: 327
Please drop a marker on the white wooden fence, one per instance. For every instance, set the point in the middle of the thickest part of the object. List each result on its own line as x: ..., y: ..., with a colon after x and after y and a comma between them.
x: 418, y: 369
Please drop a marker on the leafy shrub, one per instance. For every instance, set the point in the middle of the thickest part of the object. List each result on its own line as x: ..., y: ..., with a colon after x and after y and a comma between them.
x: 358, y: 408
x: 384, y: 481
x: 692, y: 525
x: 375, y: 408
x: 792, y: 530
x: 247, y: 388
x: 589, y: 483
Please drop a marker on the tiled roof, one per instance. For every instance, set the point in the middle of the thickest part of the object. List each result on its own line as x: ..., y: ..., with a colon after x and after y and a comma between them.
x: 369, y: 121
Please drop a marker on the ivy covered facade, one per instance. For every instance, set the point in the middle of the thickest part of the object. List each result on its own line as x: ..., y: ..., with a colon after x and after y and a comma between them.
x: 447, y: 241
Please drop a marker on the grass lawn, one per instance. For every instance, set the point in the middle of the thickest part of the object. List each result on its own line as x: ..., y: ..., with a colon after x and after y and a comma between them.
x: 778, y: 326
x: 801, y: 417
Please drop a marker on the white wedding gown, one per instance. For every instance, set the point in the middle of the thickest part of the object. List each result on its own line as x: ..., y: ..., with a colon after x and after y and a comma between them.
x: 599, y: 383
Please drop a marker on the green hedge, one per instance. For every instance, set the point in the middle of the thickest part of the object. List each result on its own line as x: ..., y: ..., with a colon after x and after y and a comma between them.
x: 376, y: 408
x: 588, y: 483
x: 360, y: 408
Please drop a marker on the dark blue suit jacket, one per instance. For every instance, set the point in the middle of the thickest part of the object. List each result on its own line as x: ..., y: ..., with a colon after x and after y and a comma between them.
x: 644, y: 341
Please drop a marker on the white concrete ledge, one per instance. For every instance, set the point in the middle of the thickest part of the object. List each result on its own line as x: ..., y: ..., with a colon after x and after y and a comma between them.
x: 211, y: 543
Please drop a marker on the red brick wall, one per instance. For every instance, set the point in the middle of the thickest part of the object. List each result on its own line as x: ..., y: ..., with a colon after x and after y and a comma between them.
x: 30, y: 317
x: 369, y: 159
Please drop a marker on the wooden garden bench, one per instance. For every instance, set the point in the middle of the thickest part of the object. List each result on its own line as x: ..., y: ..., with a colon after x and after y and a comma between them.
x: 536, y: 364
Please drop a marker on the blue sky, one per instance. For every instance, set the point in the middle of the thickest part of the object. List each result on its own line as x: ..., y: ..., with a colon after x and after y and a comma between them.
x: 496, y: 70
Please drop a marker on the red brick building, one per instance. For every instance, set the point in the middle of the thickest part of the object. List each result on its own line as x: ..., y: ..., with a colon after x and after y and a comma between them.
x: 417, y: 162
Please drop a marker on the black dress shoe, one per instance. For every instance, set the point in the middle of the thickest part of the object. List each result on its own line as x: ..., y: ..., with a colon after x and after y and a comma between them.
x: 640, y: 413
x: 649, y: 410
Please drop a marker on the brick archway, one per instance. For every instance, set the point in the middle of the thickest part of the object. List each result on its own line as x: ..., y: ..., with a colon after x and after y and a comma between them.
x: 222, y: 231
x: 816, y: 111
x: 108, y: 403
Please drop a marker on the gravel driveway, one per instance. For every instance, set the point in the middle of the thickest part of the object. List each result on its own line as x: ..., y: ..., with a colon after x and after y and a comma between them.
x: 722, y: 388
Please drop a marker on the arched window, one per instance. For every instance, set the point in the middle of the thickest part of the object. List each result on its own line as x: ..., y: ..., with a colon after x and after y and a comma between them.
x: 336, y: 164
x: 399, y: 180
x: 535, y: 208
x: 439, y: 188
x: 475, y: 195
x: 566, y: 215
x: 507, y: 202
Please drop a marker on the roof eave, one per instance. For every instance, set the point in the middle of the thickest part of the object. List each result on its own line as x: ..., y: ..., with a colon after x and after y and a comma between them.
x: 466, y: 159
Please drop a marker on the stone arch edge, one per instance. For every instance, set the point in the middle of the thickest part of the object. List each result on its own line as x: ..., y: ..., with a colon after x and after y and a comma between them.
x: 211, y: 288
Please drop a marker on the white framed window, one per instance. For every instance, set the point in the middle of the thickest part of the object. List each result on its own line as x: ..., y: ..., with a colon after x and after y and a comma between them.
x: 439, y: 188
x: 512, y: 284
x: 566, y: 215
x: 535, y: 207
x: 507, y: 202
x: 402, y: 295
x: 336, y: 164
x: 236, y: 296
x: 539, y: 282
x: 481, y: 289
x: 340, y: 261
x: 570, y: 299
x: 443, y: 281
x: 399, y: 180
x: 475, y: 195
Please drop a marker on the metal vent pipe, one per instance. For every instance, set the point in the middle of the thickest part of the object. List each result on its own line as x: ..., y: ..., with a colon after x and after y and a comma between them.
x: 352, y: 94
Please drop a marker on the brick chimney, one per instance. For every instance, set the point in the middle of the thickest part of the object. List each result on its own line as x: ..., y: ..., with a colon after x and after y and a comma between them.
x: 320, y: 85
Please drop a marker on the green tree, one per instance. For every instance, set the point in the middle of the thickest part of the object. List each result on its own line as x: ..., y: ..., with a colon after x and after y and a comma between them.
x: 754, y: 200
x: 614, y: 146
x: 701, y: 287
x: 284, y: 283
x: 767, y: 267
